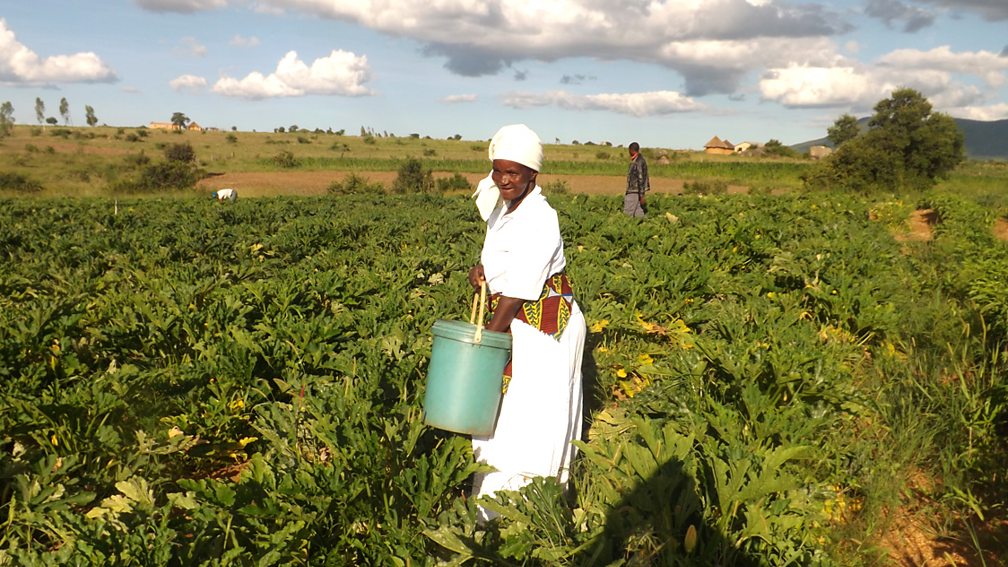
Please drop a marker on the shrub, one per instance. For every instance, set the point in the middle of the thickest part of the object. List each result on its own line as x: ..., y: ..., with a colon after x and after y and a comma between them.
x: 429, y: 152
x: 557, y: 187
x: 353, y: 184
x: 166, y: 175
x: 705, y: 187
x: 286, y: 160
x: 18, y: 183
x: 137, y: 160
x: 303, y: 140
x: 369, y: 140
x: 602, y: 154
x: 183, y: 153
x: 131, y: 137
x: 777, y: 149
x: 413, y: 177
x: 231, y: 138
x: 457, y: 182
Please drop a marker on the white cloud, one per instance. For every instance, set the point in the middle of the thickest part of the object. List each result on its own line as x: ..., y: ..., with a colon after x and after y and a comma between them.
x: 715, y: 46
x: 181, y: 6
x: 800, y: 85
x: 21, y: 65
x: 987, y: 65
x: 340, y: 73
x: 487, y: 37
x: 637, y: 104
x: 192, y: 47
x: 993, y: 10
x: 188, y: 83
x: 992, y: 112
x: 242, y: 41
x: 459, y: 98
x: 934, y: 73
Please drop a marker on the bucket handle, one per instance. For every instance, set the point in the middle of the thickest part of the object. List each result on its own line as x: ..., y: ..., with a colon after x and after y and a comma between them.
x: 479, y: 299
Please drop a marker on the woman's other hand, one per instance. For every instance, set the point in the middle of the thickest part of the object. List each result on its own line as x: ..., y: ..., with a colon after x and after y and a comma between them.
x: 476, y: 276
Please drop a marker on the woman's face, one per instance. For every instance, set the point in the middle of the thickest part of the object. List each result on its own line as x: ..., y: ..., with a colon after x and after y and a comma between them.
x: 512, y: 178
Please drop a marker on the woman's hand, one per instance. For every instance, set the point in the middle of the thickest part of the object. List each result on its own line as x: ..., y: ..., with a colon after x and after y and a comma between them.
x: 476, y: 276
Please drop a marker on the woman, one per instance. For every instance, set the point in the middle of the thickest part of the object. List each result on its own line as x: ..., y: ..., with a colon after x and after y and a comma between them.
x: 523, y: 265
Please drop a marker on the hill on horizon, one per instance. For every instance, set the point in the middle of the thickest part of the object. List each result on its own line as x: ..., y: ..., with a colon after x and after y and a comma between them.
x: 984, y: 139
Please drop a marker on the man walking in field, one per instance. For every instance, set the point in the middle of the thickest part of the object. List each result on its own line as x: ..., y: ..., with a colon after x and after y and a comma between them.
x: 638, y: 183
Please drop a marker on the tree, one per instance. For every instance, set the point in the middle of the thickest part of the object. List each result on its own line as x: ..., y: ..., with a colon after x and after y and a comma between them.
x: 40, y: 111
x: 64, y: 110
x: 6, y: 118
x: 844, y: 129
x: 907, y: 147
x: 89, y: 115
x: 179, y: 120
x: 52, y: 121
x: 774, y: 147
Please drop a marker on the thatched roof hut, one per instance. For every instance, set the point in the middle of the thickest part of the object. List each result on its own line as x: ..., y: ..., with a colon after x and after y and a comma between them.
x: 718, y: 146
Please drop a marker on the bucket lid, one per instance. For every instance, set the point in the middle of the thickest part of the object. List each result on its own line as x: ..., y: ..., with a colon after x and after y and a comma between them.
x: 462, y: 331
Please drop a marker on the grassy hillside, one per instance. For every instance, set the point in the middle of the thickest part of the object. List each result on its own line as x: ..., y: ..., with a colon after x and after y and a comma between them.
x: 83, y: 161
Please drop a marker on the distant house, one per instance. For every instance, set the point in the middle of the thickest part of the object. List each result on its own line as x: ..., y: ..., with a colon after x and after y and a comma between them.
x: 819, y: 152
x: 745, y: 146
x: 719, y: 147
x: 193, y: 126
x: 162, y: 126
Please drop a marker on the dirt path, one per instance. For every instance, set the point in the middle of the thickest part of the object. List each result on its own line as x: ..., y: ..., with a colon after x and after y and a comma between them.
x: 252, y: 184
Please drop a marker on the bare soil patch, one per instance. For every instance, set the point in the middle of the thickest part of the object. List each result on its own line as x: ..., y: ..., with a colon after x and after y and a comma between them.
x: 914, y: 539
x: 1001, y: 228
x: 921, y: 223
x: 269, y: 183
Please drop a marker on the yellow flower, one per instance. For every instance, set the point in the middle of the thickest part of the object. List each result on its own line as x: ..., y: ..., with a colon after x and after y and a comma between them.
x: 599, y: 326
x: 644, y: 359
x: 621, y: 373
x: 237, y: 405
x: 54, y: 440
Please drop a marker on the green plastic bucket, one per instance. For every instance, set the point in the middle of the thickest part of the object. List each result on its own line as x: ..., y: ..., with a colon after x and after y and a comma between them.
x: 464, y: 378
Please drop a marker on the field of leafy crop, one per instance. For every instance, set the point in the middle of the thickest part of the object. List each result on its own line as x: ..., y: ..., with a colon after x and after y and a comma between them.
x: 770, y: 380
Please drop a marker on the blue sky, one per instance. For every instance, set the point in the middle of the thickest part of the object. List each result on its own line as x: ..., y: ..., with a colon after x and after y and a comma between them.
x: 668, y: 74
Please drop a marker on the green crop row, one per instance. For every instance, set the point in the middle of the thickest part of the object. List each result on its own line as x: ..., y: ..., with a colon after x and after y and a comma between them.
x: 767, y: 380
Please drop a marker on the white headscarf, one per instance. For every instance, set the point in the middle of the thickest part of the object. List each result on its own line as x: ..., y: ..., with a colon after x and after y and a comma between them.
x: 517, y: 143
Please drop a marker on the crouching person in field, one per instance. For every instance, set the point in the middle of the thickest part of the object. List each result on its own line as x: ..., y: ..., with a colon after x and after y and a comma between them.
x: 226, y: 194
